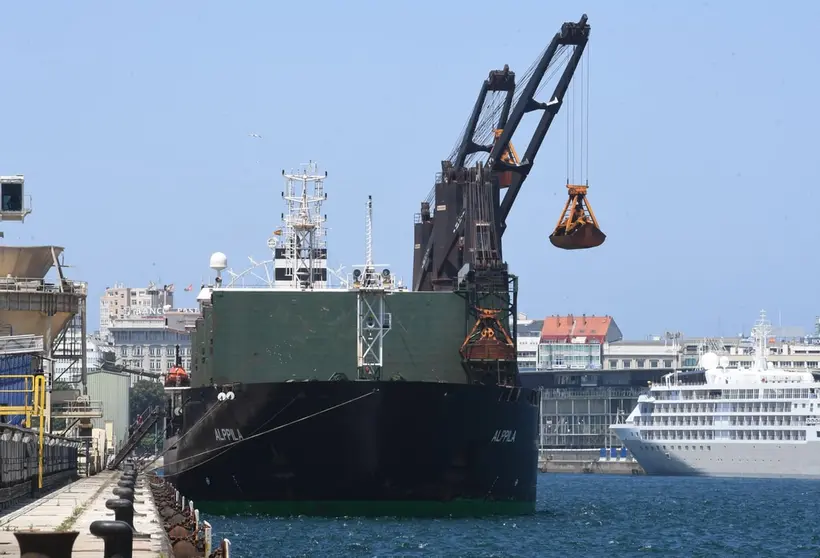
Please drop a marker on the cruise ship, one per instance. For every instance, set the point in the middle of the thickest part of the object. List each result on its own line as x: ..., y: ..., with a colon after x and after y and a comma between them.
x: 758, y: 421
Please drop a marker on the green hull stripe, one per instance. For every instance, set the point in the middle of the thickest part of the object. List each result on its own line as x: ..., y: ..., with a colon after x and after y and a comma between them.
x: 409, y: 508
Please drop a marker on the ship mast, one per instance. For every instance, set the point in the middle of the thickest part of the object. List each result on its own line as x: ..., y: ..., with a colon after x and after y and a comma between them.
x: 373, y: 321
x: 300, y: 259
x: 760, y: 333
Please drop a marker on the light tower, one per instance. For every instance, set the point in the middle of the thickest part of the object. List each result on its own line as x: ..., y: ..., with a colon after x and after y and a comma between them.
x: 373, y: 321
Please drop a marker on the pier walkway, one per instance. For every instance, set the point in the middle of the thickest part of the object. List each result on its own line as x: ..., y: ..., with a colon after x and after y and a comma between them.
x: 75, y: 506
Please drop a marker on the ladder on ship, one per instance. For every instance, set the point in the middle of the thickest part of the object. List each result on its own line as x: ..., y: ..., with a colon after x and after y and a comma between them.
x: 151, y: 416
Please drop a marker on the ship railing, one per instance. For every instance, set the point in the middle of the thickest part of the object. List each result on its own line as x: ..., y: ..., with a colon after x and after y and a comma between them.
x: 38, y: 285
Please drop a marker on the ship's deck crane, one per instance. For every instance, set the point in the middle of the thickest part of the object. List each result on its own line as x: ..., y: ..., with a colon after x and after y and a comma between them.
x: 458, y: 232
x: 465, y: 223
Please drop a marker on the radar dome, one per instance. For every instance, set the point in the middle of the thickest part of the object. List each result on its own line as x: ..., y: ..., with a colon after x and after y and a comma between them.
x: 709, y: 361
x: 724, y: 361
x: 219, y: 261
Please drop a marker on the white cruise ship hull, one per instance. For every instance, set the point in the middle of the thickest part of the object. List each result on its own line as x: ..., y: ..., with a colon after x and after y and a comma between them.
x: 746, y: 458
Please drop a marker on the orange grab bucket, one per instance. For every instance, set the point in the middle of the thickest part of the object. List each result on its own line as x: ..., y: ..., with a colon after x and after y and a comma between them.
x: 577, y: 227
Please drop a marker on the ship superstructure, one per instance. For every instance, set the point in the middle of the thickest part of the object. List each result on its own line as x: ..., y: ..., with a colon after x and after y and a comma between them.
x: 758, y: 421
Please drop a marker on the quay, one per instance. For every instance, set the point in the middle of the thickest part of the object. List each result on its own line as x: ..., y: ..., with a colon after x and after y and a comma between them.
x: 75, y: 506
x: 587, y: 462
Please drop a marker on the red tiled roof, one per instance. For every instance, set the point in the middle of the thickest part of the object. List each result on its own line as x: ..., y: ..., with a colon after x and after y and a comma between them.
x: 566, y: 327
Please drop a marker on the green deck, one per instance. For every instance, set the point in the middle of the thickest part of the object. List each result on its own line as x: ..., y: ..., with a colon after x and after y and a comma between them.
x: 264, y: 336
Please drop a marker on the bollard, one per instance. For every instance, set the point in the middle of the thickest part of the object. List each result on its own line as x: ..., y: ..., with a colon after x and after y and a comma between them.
x: 35, y: 544
x: 126, y: 493
x: 125, y: 484
x: 118, y: 537
x: 226, y: 548
x: 208, y: 538
x: 123, y: 510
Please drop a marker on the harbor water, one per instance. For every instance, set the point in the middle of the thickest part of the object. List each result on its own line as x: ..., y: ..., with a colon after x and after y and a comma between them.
x: 578, y: 515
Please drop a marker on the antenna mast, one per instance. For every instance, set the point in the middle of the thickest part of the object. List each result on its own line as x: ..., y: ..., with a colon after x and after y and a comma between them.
x: 300, y: 260
x: 373, y: 323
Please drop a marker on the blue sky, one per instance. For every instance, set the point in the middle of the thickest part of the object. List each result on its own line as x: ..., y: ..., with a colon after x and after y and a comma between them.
x: 132, y: 122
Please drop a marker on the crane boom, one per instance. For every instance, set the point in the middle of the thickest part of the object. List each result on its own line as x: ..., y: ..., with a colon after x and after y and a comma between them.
x: 469, y: 216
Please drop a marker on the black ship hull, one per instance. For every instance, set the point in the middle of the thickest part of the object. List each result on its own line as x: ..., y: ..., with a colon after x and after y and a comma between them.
x: 358, y: 448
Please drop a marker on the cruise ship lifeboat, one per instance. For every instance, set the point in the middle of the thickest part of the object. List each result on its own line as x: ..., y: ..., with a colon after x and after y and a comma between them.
x: 577, y: 227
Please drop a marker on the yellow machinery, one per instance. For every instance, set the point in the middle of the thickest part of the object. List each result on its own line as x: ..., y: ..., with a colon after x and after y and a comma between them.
x: 577, y: 227
x: 34, y: 390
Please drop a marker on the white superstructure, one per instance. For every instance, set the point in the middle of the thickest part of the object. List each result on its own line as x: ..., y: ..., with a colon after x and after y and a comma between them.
x: 720, y: 421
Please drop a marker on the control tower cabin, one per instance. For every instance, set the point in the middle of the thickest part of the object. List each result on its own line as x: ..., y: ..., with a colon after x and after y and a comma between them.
x: 37, y: 315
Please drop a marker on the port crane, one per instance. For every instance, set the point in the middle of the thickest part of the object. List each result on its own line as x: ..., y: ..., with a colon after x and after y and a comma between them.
x: 458, y: 231
x: 443, y: 241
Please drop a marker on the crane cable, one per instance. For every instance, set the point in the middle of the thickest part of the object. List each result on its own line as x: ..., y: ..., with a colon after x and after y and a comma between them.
x: 485, y: 129
x: 577, y: 112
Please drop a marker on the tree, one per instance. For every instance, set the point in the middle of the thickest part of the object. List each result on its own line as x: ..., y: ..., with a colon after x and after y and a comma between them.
x: 145, y: 394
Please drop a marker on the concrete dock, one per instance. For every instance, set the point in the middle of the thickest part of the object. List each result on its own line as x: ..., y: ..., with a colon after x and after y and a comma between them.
x: 586, y: 461
x: 75, y: 506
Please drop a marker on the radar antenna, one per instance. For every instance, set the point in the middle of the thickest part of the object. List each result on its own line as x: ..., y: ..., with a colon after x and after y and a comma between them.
x: 373, y: 287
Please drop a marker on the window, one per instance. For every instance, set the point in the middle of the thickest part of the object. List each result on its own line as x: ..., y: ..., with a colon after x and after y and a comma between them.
x: 626, y: 363
x: 653, y: 363
x: 641, y: 363
x: 613, y: 363
x: 169, y: 351
x: 123, y: 351
x: 667, y: 364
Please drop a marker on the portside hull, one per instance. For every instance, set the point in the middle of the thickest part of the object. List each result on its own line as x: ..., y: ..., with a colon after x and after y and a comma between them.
x: 714, y: 458
x: 360, y: 448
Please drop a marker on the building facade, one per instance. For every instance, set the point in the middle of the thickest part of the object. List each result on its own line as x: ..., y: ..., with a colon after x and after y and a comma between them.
x: 143, y: 329
x: 148, y: 343
x: 119, y: 302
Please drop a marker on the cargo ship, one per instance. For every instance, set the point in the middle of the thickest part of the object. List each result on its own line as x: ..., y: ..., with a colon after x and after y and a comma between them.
x: 367, y: 397
x: 306, y: 397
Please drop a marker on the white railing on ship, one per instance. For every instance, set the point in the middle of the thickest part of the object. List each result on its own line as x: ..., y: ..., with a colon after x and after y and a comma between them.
x: 34, y: 285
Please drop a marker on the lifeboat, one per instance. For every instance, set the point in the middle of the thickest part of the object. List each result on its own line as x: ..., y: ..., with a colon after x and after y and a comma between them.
x: 577, y: 227
x: 177, y: 377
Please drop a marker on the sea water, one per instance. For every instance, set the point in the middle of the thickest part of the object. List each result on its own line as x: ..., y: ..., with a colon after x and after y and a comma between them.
x: 577, y: 515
